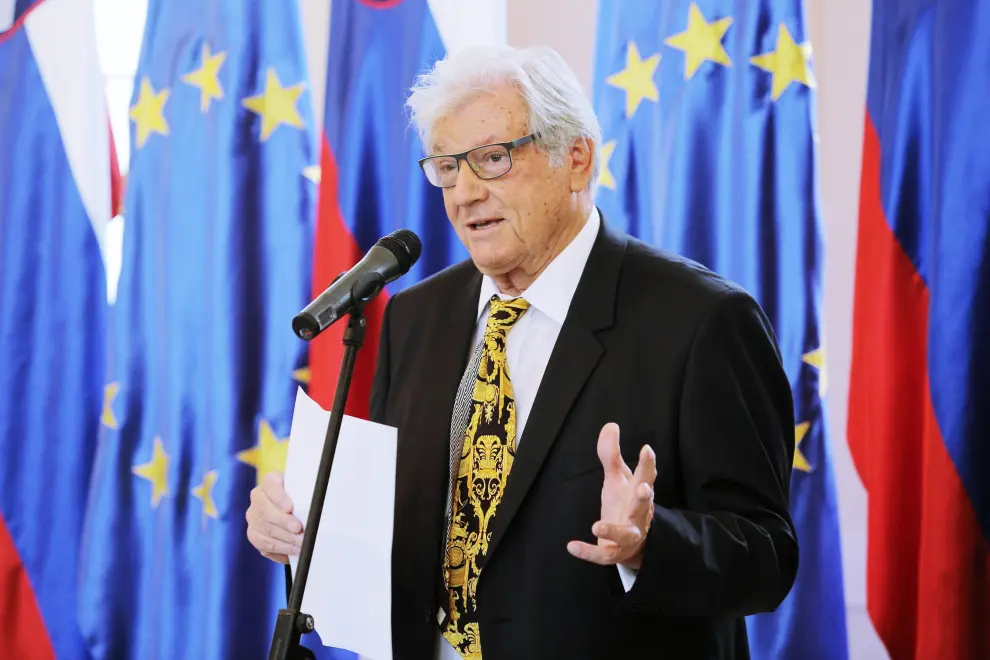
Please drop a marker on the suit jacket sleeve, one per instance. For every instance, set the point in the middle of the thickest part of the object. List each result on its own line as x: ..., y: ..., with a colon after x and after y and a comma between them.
x: 732, y: 550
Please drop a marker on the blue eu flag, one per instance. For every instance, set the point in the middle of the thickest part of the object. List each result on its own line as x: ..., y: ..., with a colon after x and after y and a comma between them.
x: 706, y: 110
x: 203, y: 365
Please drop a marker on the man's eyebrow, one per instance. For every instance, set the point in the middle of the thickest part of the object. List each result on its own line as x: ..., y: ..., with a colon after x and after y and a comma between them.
x: 439, y: 148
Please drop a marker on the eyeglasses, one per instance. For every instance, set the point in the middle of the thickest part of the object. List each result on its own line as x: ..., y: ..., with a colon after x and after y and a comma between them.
x: 488, y: 161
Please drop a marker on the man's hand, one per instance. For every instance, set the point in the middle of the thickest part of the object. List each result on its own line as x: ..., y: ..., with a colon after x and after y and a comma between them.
x: 272, y: 528
x: 627, y: 506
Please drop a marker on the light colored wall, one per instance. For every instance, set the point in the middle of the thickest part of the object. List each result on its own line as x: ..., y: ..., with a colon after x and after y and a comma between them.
x: 840, y: 36
x: 840, y: 33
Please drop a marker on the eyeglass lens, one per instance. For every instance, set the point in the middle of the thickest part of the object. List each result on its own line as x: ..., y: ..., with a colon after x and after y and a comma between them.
x: 488, y: 162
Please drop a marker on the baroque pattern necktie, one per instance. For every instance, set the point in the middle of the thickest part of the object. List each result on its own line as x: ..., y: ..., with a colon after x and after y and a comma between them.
x: 486, y: 458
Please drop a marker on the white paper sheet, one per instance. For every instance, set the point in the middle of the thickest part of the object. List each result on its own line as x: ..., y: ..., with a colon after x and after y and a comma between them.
x: 349, y: 588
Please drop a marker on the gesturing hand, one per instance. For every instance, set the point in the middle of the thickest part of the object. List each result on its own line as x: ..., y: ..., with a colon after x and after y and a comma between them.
x: 627, y: 506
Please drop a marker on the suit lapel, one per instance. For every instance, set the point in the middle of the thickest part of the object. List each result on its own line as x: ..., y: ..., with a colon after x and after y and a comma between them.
x: 572, y: 361
x: 447, y: 352
x: 423, y: 458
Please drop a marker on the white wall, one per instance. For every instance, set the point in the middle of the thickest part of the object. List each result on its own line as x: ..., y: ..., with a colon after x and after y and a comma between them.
x: 119, y: 29
x: 841, y: 32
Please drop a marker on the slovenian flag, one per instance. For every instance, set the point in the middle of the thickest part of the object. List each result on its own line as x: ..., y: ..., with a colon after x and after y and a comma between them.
x: 58, y: 183
x: 919, y: 393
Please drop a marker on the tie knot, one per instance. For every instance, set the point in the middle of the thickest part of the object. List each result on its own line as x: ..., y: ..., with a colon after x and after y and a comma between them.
x: 505, y: 313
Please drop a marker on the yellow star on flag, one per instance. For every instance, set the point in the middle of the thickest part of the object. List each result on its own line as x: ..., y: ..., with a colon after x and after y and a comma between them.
x: 268, y: 455
x: 800, y: 462
x: 107, y: 417
x: 204, y: 493
x: 277, y: 105
x: 156, y: 472
x: 206, y: 77
x: 816, y: 358
x: 605, y: 177
x: 637, y: 78
x: 790, y: 62
x: 302, y: 375
x: 314, y: 173
x: 701, y: 41
x: 148, y: 113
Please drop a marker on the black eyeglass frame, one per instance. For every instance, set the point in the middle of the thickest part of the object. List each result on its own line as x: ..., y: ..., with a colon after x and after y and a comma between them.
x: 508, y: 146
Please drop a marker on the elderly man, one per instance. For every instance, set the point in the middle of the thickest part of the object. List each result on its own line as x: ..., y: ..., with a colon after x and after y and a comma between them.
x: 595, y: 437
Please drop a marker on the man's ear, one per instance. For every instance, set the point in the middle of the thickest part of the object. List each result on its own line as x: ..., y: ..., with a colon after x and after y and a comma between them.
x: 582, y: 157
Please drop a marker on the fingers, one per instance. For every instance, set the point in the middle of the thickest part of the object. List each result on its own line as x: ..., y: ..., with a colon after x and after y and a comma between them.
x: 609, y: 455
x: 268, y: 510
x: 272, y: 528
x: 269, y: 546
x: 604, y: 554
x: 627, y: 504
x: 643, y: 494
x: 280, y: 529
x: 616, y: 544
x: 646, y: 468
x: 273, y: 486
x: 279, y: 559
x: 625, y: 536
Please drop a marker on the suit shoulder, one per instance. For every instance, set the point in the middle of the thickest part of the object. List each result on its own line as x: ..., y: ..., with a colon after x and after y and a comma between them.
x: 668, y: 274
x: 687, y: 295
x: 437, y: 287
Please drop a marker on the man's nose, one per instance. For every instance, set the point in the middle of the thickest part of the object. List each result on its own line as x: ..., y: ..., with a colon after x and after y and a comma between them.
x: 468, y: 188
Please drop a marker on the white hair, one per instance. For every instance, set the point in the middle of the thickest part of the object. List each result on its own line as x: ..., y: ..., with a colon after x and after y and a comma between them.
x: 559, y: 110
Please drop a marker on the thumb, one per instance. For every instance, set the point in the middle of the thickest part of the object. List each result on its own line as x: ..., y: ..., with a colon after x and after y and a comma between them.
x: 274, y: 487
x: 608, y: 452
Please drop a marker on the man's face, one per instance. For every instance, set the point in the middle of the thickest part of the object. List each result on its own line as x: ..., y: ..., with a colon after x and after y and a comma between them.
x: 512, y: 221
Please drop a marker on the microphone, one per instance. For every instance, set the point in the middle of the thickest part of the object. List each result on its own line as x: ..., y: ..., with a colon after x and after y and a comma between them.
x: 390, y: 258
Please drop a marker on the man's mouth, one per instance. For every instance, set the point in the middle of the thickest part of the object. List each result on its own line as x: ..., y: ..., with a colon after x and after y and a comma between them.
x: 484, y: 223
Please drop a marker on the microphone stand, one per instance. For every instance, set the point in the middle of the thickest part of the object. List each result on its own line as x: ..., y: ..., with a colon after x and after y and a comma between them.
x: 292, y: 622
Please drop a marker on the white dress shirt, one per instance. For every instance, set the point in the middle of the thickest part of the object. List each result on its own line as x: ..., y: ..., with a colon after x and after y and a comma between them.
x: 531, y: 340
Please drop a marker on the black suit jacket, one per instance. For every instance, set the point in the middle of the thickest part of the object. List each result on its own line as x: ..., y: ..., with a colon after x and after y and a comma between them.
x: 683, y: 361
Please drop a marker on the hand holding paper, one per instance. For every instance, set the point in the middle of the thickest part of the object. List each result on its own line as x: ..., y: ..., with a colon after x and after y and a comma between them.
x: 348, y: 589
x: 272, y: 528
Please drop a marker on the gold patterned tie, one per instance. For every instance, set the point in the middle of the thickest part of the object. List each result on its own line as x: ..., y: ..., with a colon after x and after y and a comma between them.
x: 486, y: 458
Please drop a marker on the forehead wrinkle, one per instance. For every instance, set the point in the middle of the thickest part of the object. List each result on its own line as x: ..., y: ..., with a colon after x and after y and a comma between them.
x: 439, y: 150
x: 501, y: 113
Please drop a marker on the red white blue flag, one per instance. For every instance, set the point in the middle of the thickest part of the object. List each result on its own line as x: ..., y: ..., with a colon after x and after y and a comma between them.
x: 919, y: 406
x: 58, y: 186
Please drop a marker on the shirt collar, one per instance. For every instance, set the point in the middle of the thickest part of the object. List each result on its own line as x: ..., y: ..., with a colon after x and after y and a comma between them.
x: 553, y: 290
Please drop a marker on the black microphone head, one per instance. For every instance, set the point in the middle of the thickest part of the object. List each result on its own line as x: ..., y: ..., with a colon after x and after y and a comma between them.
x: 405, y: 245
